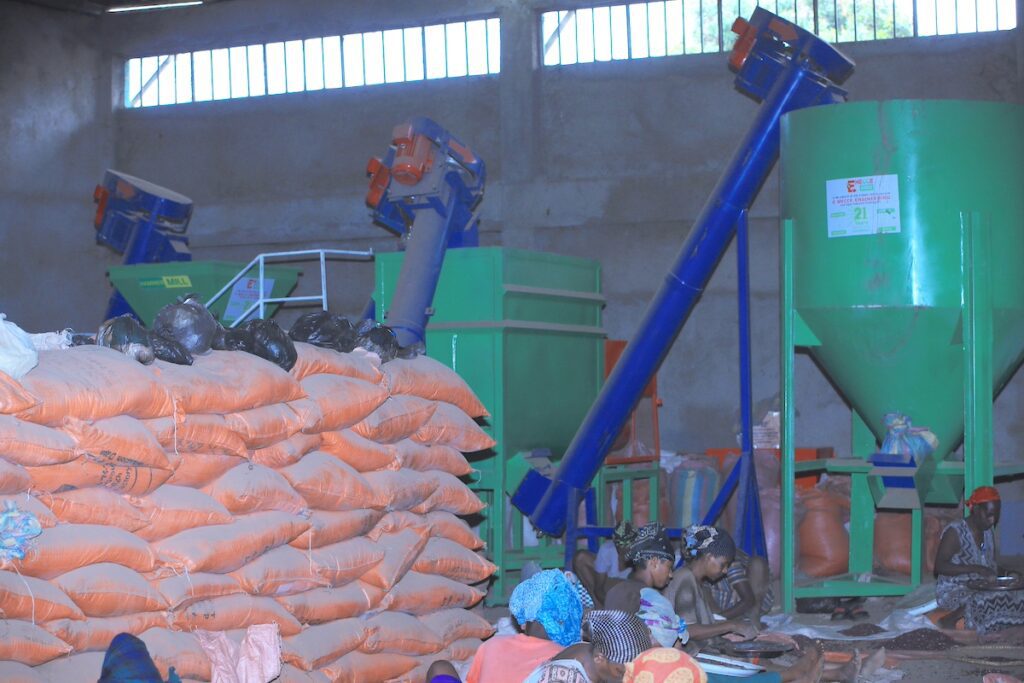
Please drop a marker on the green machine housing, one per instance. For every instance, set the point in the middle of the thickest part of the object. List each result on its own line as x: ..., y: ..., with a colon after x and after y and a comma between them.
x: 903, y: 277
x: 524, y: 330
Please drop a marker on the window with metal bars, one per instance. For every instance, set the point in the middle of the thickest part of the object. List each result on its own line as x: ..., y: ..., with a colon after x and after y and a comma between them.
x: 677, y: 27
x: 453, y: 50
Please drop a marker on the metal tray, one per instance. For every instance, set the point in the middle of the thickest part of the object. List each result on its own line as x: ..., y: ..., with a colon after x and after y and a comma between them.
x: 757, y: 648
x: 1010, y: 582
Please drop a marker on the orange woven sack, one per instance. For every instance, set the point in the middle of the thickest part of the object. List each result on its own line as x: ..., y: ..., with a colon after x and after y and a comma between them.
x: 824, y: 543
x: 398, y: 633
x: 421, y: 457
x: 14, y: 478
x: 14, y: 398
x: 358, y: 667
x: 199, y: 469
x: 462, y: 650
x: 321, y: 605
x: 24, y: 597
x: 95, y: 506
x: 281, y: 571
x: 448, y: 558
x: 455, y: 624
x: 431, y: 379
x: 400, y: 490
x: 292, y: 674
x: 425, y: 593
x: 449, y: 426
x: 342, y: 401
x: 330, y: 527
x: 312, y: 360
x: 446, y: 525
x: 29, y: 503
x: 196, y: 434
x: 120, y: 437
x: 109, y: 590
x: 25, y: 443
x: 340, y: 563
x: 21, y: 641
x: 96, y: 634
x: 394, y: 522
x: 255, y: 488
x: 266, y: 425
x: 319, y: 645
x: 181, y: 591
x: 359, y: 452
x: 171, y: 509
x: 893, y: 541
x: 84, y: 667
x: 326, y: 483
x: 16, y: 672
x: 451, y: 495
x: 91, y: 383
x: 117, y: 473
x: 69, y: 546
x: 180, y: 650
x: 226, y: 382
x: 400, y: 552
x: 287, y: 452
x: 397, y: 418
x: 234, y: 611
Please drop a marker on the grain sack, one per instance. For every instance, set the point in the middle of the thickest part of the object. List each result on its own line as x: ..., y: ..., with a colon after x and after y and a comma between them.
x: 287, y: 452
x: 326, y: 483
x: 357, y: 667
x: 462, y: 650
x: 31, y: 599
x: 321, y: 605
x: 95, y: 506
x: 226, y: 547
x: 314, y: 360
x: 449, y: 426
x: 181, y: 591
x: 118, y: 438
x: 292, y: 674
x: 196, y: 434
x: 14, y: 398
x: 431, y: 379
x: 118, y: 473
x: 16, y: 672
x: 341, y: 401
x: 327, y: 526
x: 400, y: 551
x: 261, y: 427
x: 180, y: 650
x: 422, y: 458
x: 397, y: 418
x: 25, y: 443
x: 340, y: 563
x: 319, y: 645
x: 455, y: 624
x: 86, y: 667
x: 13, y: 478
x: 358, y: 452
x: 199, y: 469
x: 281, y: 571
x: 171, y: 509
x: 451, y: 495
x: 234, y: 611
x: 399, y: 490
x: 446, y: 525
x: 398, y: 633
x: 255, y: 488
x: 448, y: 558
x: 425, y: 593
x: 95, y: 634
x: 91, y: 383
x: 29, y: 503
x: 824, y: 543
x: 20, y: 641
x: 109, y: 590
x: 227, y: 382
x: 69, y: 546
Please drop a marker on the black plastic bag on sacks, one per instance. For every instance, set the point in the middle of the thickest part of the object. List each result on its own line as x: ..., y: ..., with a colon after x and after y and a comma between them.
x: 272, y: 343
x: 379, y: 339
x: 127, y: 335
x: 169, y: 350
x: 188, y: 323
x: 321, y: 328
x: 83, y: 339
x: 234, y: 339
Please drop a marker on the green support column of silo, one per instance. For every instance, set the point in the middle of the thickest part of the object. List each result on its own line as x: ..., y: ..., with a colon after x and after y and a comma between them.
x: 903, y: 276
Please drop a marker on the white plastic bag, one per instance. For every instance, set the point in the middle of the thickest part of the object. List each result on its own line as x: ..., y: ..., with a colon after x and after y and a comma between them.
x: 17, y: 354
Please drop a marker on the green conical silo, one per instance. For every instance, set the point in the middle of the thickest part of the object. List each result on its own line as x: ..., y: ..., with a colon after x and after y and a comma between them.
x: 893, y: 206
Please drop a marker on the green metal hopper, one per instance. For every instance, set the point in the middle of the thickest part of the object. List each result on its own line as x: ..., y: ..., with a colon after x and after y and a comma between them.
x: 149, y: 287
x: 903, y: 276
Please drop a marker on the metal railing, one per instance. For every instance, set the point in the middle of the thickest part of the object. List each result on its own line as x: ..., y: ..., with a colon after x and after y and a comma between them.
x: 261, y: 259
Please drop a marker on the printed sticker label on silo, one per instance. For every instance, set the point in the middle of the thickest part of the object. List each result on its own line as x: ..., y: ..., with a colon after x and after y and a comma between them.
x: 867, y: 205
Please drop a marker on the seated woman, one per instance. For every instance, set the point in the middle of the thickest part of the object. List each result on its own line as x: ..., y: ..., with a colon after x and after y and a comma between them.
x: 649, y: 552
x: 746, y: 591
x: 548, y: 611
x: 967, y: 551
x: 615, y: 638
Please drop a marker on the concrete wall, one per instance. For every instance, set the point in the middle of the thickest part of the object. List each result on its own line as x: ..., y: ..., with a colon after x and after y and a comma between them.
x: 55, y: 141
x: 609, y: 161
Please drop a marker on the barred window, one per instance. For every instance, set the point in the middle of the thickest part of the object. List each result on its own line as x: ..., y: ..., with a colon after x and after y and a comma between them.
x: 453, y: 50
x: 677, y: 27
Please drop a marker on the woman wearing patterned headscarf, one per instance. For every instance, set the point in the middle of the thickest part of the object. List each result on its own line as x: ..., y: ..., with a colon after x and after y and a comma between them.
x: 664, y: 665
x: 649, y: 552
x: 615, y: 638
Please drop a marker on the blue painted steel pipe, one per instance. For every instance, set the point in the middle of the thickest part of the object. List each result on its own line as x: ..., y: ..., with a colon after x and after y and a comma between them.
x: 787, y: 79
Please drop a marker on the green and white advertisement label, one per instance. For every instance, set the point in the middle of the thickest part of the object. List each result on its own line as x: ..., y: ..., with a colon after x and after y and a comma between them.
x: 868, y: 205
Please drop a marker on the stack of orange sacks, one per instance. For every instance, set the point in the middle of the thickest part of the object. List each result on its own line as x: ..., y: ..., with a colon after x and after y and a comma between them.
x: 230, y: 493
